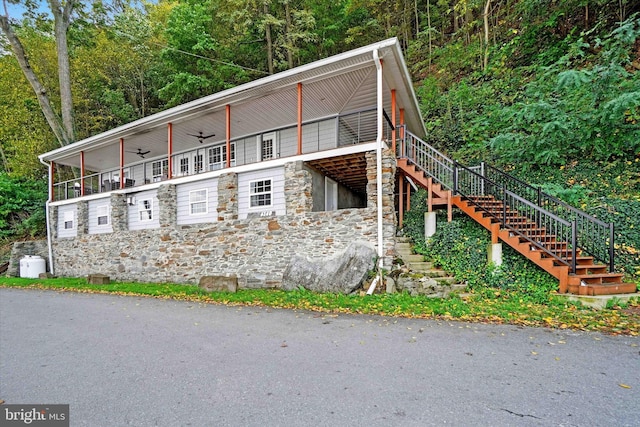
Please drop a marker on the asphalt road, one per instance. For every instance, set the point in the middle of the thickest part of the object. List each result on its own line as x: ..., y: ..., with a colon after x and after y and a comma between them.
x: 122, y: 361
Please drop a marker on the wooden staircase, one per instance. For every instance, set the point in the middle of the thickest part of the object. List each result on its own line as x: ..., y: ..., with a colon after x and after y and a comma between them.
x: 437, y: 195
x: 525, y: 236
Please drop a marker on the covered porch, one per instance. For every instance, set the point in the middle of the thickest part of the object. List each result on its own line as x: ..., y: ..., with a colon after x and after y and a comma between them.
x: 329, y: 104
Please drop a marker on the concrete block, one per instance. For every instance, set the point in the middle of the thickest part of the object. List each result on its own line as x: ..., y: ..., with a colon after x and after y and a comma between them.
x: 429, y: 224
x: 98, y: 279
x: 227, y: 283
x: 494, y: 253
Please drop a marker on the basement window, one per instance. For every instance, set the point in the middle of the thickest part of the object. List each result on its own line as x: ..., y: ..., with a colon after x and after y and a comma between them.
x: 198, y: 202
x: 68, y: 220
x: 102, y: 212
x: 145, y: 209
x: 260, y: 193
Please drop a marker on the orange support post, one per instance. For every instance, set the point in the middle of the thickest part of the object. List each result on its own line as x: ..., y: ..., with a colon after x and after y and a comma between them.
x: 408, y: 197
x: 400, y: 201
x: 299, y: 118
x: 169, y: 150
x: 82, y: 173
x: 228, y: 133
x: 402, y: 130
x: 495, y: 232
x: 393, y: 120
x: 121, y: 163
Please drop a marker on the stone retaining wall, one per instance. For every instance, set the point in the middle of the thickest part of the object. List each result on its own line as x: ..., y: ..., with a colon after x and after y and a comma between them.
x: 256, y: 249
x: 20, y: 249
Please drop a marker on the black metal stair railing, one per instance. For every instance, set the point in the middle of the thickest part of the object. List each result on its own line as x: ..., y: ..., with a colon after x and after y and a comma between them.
x: 596, y: 237
x: 426, y: 158
x: 567, y: 223
x: 467, y: 183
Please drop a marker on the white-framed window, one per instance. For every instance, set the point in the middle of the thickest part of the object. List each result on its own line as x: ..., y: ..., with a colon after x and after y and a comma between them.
x: 260, y: 193
x: 218, y: 156
x: 160, y: 170
x: 198, y: 161
x: 69, y: 223
x: 102, y: 212
x: 198, y: 202
x: 145, y: 209
x: 184, y: 166
x: 267, y: 146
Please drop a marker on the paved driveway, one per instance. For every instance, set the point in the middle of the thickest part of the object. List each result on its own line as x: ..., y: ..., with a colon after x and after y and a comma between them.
x: 144, y: 362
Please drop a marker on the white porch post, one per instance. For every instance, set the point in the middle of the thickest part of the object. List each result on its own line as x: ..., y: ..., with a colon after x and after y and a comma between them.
x: 380, y: 119
x: 50, y: 166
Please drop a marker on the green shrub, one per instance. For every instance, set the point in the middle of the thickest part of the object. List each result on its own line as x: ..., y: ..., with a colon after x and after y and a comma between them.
x: 22, y: 207
x: 460, y: 247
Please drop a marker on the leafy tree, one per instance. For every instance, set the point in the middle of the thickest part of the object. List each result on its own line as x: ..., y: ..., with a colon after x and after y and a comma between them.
x: 61, y: 124
x: 24, y: 133
x: 575, y: 111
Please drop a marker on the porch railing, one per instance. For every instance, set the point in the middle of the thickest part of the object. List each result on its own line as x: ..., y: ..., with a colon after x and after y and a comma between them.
x: 343, y: 130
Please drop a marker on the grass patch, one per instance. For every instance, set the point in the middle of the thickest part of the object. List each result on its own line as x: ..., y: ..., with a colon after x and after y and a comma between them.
x: 484, y: 305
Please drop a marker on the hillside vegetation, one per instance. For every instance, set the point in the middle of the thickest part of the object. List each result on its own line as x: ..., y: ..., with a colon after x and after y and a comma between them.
x: 549, y: 90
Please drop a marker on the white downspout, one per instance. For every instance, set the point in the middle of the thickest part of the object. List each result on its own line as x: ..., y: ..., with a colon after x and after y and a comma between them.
x: 380, y: 117
x: 46, y: 213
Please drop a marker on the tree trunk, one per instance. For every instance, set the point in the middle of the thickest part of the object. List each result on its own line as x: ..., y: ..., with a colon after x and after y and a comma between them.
x: 429, y: 31
x: 455, y: 19
x: 415, y: 9
x: 62, y: 18
x: 485, y: 17
x: 267, y: 29
x: 288, y: 40
x: 5, y: 164
x: 41, y: 93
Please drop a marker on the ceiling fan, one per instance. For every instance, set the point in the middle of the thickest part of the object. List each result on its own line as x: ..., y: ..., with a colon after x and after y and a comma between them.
x: 201, y: 137
x: 140, y: 152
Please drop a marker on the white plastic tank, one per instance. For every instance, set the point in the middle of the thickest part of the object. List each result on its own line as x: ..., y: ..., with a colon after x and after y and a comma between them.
x: 31, y: 266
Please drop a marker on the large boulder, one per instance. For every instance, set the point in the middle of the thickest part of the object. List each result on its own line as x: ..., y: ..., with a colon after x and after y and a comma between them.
x: 341, y: 273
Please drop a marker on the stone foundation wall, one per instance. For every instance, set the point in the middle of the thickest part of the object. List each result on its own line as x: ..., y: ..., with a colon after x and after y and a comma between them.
x: 257, y: 249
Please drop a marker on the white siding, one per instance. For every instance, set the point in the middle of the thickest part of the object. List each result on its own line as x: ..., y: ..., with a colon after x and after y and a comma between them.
x: 246, y: 151
x: 134, y: 211
x: 66, y: 212
x: 94, y: 228
x: 184, y: 215
x: 277, y: 201
x: 319, y: 136
x: 327, y: 134
x: 288, y: 142
x: 137, y: 174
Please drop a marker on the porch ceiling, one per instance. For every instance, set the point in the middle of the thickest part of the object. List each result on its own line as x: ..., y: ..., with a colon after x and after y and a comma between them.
x: 330, y: 87
x: 349, y: 170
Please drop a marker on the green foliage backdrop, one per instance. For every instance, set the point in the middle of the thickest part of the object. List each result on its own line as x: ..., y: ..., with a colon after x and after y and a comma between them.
x: 548, y: 90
